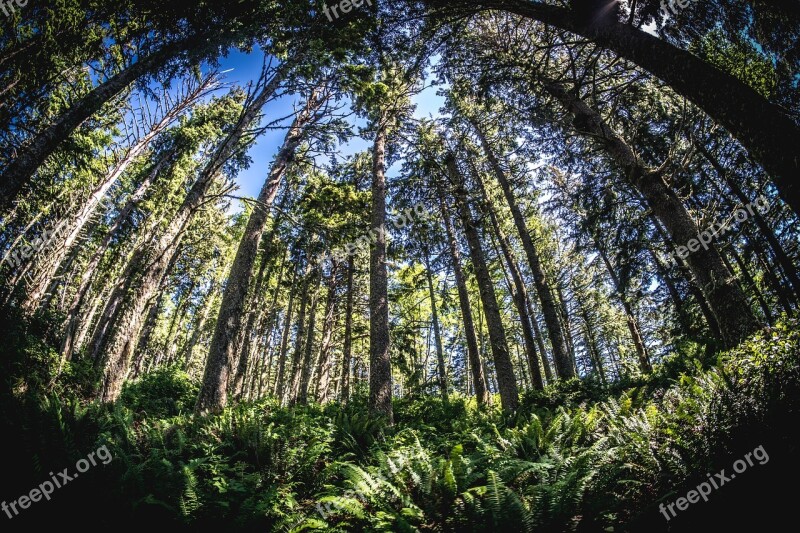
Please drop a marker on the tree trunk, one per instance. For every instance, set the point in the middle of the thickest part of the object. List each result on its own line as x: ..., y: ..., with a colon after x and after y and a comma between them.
x: 73, y: 226
x: 780, y: 254
x: 548, y: 372
x: 380, y: 362
x: 686, y: 274
x: 244, y: 358
x: 347, y: 355
x: 280, y: 385
x: 591, y: 345
x: 121, y: 337
x: 729, y: 305
x: 300, y: 337
x: 633, y: 325
x: 561, y: 357
x: 70, y: 322
x: 519, y: 293
x: 149, y: 263
x: 437, y: 334
x: 199, y: 325
x: 764, y: 129
x: 748, y: 278
x: 324, y: 361
x: 213, y: 391
x: 300, y: 392
x: 506, y: 380
x: 473, y: 353
x: 21, y: 170
x: 565, y: 322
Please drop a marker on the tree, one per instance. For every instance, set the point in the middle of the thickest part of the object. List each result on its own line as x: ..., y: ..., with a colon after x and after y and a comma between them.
x: 506, y: 380
x: 762, y: 127
x: 213, y: 393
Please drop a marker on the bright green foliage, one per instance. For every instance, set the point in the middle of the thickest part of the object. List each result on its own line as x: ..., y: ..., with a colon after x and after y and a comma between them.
x: 584, y: 465
x: 742, y: 60
x: 163, y: 393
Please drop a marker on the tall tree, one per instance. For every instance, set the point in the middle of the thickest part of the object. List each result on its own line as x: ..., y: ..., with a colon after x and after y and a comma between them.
x: 117, y: 334
x: 762, y: 127
x: 729, y: 305
x: 506, y: 379
x: 565, y: 367
x: 518, y: 291
x: 213, y: 392
x: 473, y: 353
x: 437, y: 334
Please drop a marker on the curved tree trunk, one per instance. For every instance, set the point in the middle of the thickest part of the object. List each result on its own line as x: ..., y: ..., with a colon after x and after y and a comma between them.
x: 727, y: 301
x: 769, y: 134
x: 213, y: 392
x: 74, y: 225
x: 70, y: 323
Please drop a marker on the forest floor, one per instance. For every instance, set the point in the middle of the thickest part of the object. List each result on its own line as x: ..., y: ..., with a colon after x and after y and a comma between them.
x: 641, y: 456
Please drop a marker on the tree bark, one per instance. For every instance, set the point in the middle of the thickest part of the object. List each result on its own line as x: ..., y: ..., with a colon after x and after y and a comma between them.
x: 473, y: 353
x: 437, y: 334
x: 73, y: 226
x: 254, y: 323
x: 300, y: 337
x: 199, y: 325
x: 73, y: 313
x: 685, y: 273
x: 548, y: 372
x: 324, y: 361
x: 591, y: 345
x: 116, y: 338
x: 300, y: 393
x: 280, y: 385
x: 633, y: 324
x: 347, y: 355
x: 519, y: 293
x: 213, y: 392
x: 506, y: 380
x: 380, y: 362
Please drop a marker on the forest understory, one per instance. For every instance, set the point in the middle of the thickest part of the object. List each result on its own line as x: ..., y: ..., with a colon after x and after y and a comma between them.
x: 411, y: 265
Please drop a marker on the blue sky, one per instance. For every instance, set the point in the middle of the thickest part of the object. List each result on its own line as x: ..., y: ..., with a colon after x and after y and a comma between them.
x: 244, y: 68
